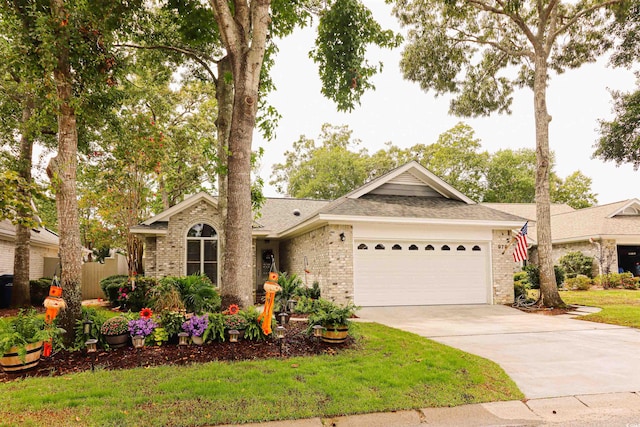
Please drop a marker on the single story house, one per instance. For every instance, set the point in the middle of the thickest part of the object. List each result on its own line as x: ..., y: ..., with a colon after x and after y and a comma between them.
x: 610, y: 232
x: 44, y: 245
x: 406, y: 238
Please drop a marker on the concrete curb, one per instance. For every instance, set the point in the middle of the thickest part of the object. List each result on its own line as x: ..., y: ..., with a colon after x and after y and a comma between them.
x: 612, y: 409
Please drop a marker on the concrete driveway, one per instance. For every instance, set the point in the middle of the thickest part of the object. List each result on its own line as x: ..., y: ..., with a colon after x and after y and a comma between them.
x: 546, y: 356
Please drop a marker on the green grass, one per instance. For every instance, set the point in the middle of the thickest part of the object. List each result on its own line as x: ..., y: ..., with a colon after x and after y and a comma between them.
x: 619, y: 307
x: 391, y: 370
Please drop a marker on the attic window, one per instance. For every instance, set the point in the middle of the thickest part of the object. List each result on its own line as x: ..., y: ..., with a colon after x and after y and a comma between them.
x: 630, y: 210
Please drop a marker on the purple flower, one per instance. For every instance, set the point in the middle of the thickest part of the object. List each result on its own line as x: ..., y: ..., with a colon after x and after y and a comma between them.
x: 196, y: 325
x: 142, y: 327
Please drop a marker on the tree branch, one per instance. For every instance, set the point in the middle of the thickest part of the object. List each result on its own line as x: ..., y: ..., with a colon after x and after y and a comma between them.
x: 579, y: 15
x: 188, y: 52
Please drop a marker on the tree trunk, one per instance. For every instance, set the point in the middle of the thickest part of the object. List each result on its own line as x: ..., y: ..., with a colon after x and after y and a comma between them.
x: 224, y: 96
x: 62, y: 173
x: 549, y: 295
x: 21, y: 260
x: 244, y: 32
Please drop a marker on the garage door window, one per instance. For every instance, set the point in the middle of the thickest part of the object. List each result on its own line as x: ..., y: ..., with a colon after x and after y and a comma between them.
x: 413, y: 248
x: 445, y: 248
x: 380, y: 247
x: 461, y: 248
x: 476, y: 248
x: 396, y: 247
x: 429, y: 248
x: 362, y: 247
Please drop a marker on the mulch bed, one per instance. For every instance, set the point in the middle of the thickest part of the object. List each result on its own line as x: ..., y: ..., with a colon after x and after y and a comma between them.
x: 547, y: 311
x: 296, y: 343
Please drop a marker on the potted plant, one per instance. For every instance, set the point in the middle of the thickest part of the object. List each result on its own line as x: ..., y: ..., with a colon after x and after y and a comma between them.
x: 116, y: 331
x: 144, y: 326
x: 21, y: 339
x: 235, y: 321
x: 195, y: 327
x: 333, y: 318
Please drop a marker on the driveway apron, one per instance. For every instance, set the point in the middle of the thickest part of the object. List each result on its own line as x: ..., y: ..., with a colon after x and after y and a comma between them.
x: 546, y: 356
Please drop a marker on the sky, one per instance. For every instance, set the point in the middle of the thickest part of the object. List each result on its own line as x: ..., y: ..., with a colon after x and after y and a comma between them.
x: 398, y: 111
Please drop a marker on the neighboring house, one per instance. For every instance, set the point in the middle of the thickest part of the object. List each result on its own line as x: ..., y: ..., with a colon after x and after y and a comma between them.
x: 44, y: 244
x: 608, y: 232
x: 406, y: 238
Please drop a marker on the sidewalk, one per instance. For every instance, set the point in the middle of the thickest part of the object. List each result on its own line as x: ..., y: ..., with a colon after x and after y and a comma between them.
x: 610, y: 410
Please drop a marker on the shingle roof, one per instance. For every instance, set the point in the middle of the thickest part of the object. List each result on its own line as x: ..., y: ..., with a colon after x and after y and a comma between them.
x: 40, y: 235
x: 414, y: 207
x: 594, y: 221
x: 528, y: 210
x: 278, y: 214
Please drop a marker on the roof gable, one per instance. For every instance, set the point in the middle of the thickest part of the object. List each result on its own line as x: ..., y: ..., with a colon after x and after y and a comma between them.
x: 412, y: 179
x: 631, y: 208
x: 185, y: 204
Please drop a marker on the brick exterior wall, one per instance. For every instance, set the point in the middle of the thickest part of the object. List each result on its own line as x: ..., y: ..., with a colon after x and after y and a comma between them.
x: 502, y: 267
x: 330, y: 260
x: 166, y: 255
x: 588, y: 249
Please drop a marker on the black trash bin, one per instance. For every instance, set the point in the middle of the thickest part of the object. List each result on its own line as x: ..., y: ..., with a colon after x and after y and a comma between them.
x: 6, y: 289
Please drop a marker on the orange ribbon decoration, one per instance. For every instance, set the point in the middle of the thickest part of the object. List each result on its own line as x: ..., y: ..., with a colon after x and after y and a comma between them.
x: 271, y: 287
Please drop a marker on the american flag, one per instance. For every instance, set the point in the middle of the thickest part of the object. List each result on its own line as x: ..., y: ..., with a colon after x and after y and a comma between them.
x: 520, y: 251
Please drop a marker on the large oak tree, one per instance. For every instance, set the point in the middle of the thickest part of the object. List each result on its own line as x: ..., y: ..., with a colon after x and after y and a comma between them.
x: 481, y: 50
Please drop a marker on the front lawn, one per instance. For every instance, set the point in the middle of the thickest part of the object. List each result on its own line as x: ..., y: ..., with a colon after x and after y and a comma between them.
x: 619, y: 307
x: 392, y: 370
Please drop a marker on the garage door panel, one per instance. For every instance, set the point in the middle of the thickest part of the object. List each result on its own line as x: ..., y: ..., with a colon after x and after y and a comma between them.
x: 403, y: 277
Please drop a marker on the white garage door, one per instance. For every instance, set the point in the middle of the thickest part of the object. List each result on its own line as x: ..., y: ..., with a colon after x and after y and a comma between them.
x: 420, y: 273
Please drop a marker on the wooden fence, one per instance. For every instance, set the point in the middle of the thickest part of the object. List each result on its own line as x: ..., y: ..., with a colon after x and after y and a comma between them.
x: 92, y: 273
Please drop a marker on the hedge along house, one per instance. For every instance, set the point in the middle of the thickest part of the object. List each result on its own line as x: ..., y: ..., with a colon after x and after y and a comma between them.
x: 608, y: 232
x: 406, y: 238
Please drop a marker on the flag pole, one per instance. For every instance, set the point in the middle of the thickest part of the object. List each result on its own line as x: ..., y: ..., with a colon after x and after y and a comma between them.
x: 514, y: 238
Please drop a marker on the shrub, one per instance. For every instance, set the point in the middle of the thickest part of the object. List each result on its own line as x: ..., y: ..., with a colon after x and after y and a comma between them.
x: 580, y: 283
x: 110, y: 286
x: 533, y: 273
x: 135, y: 298
x: 215, y: 329
x: 165, y: 296
x: 305, y: 305
x: 172, y: 322
x: 198, y: 294
x: 575, y: 263
x: 98, y: 317
x: 313, y: 292
x: 290, y: 285
x: 253, y: 330
x: 617, y: 280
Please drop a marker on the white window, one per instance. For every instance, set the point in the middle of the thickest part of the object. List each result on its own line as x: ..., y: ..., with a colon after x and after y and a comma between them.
x: 202, y: 251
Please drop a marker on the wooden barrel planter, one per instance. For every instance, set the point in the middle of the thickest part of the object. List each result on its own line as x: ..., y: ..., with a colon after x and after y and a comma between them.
x: 12, y: 363
x: 335, y: 334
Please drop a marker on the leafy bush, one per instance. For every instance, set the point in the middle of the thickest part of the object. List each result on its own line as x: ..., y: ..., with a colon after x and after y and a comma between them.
x: 135, y: 298
x: 171, y: 322
x: 98, y: 317
x: 290, y: 285
x: 117, y: 325
x: 575, y: 263
x: 215, y: 329
x: 617, y: 280
x: 305, y: 305
x: 533, y: 273
x: 253, y: 330
x: 166, y: 296
x: 198, y: 294
x: 520, y: 283
x: 328, y: 313
x: 39, y: 290
x: 579, y: 283
x: 110, y: 286
x: 313, y: 292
